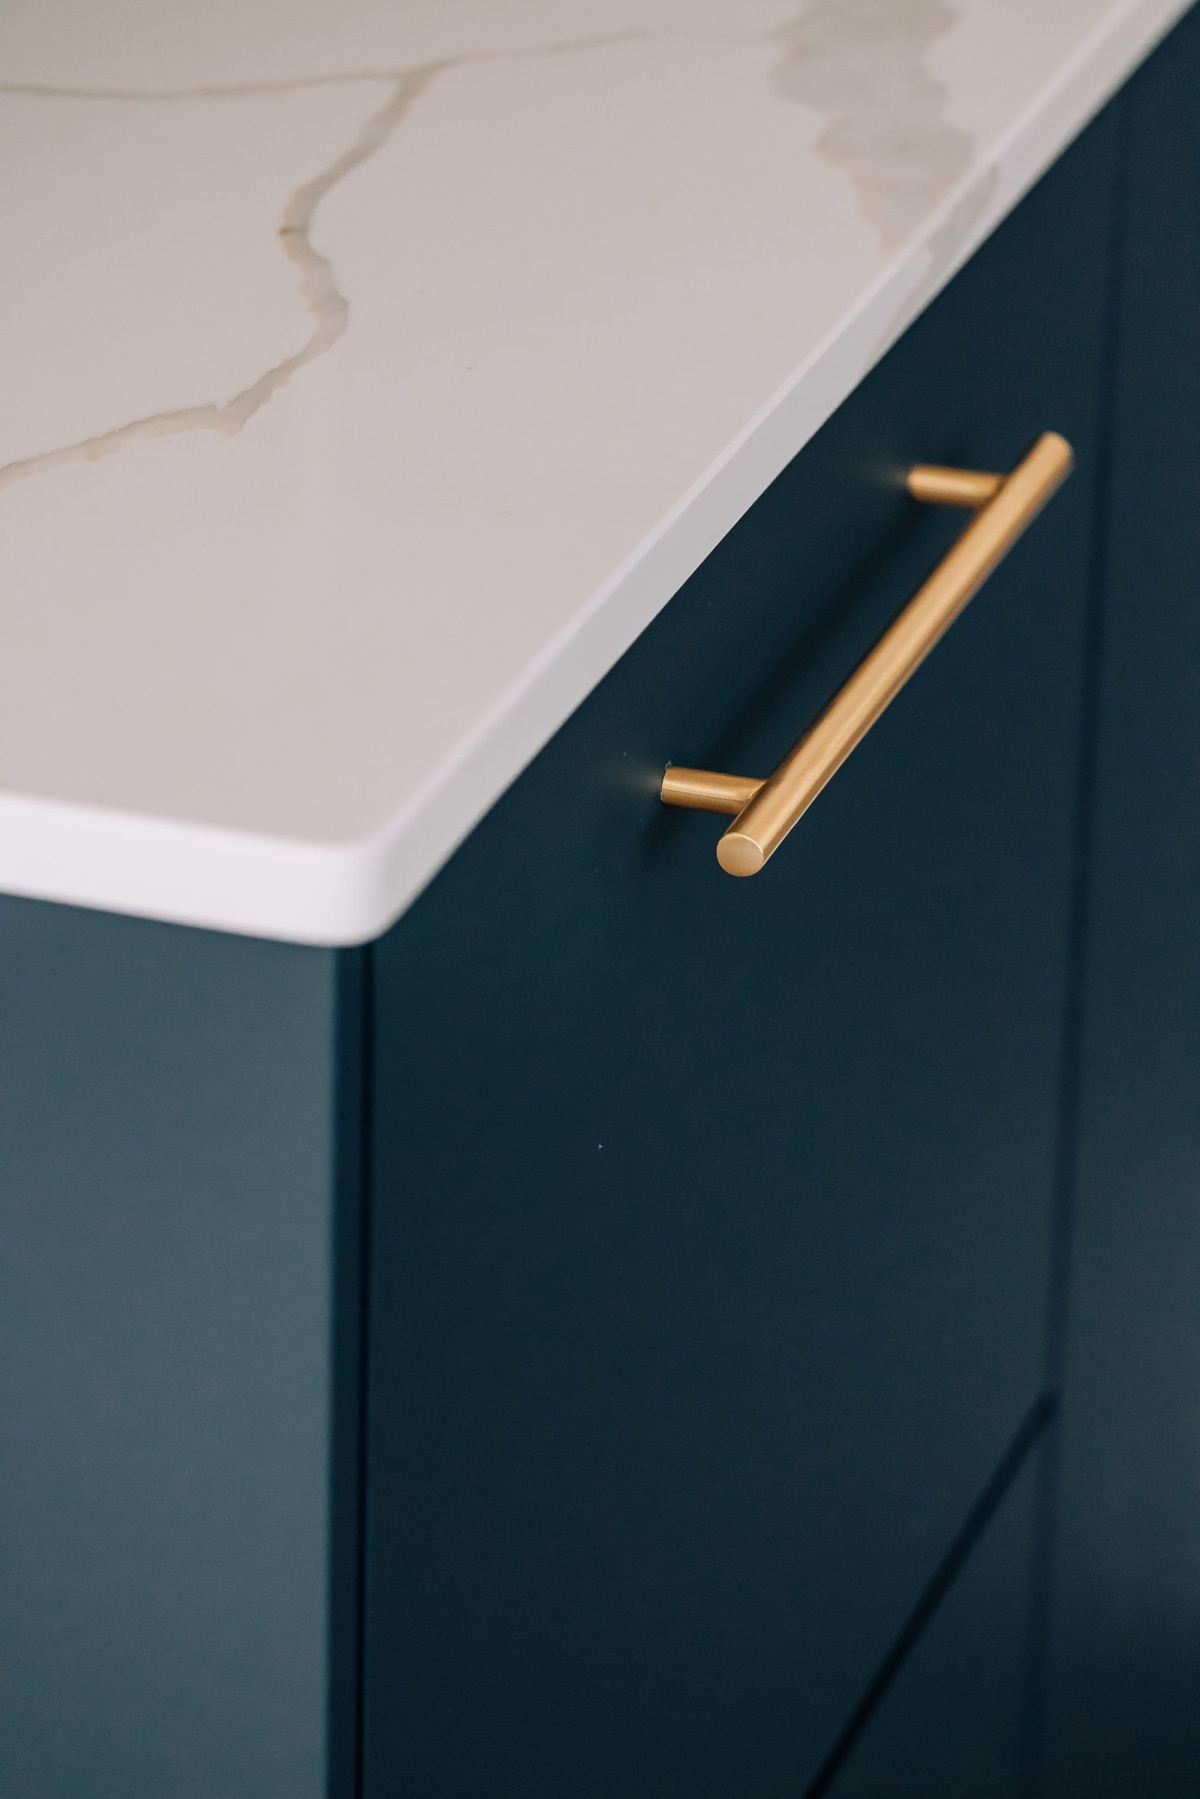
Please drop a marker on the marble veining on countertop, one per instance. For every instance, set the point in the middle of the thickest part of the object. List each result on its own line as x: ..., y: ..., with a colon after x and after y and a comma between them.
x: 373, y: 373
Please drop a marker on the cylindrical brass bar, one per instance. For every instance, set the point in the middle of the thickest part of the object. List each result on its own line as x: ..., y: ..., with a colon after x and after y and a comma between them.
x: 758, y: 831
x: 952, y: 486
x: 704, y: 792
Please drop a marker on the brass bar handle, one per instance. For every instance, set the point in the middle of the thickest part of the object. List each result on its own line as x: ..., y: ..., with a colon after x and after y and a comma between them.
x: 765, y: 811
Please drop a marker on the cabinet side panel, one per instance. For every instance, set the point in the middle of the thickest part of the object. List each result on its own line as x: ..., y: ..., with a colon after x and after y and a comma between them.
x: 1125, y: 1692
x: 166, y: 1170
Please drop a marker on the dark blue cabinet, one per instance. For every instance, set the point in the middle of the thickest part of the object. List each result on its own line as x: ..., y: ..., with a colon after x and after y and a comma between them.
x: 712, y: 1221
x: 619, y: 1333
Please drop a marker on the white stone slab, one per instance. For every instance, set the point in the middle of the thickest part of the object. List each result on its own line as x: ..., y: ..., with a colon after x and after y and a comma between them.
x: 374, y: 371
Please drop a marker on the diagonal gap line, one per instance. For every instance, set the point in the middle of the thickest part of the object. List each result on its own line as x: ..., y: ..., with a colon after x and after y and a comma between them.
x: 977, y: 1521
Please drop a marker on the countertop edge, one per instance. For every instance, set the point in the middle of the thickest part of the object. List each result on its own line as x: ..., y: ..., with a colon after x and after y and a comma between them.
x: 338, y: 895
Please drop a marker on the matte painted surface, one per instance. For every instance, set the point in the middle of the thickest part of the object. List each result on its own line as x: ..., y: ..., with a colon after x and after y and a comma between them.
x: 1125, y: 1693
x: 165, y: 1293
x: 711, y: 1218
x: 375, y: 370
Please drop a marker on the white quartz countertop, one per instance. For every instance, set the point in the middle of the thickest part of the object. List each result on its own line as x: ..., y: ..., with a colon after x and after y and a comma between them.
x: 372, y: 371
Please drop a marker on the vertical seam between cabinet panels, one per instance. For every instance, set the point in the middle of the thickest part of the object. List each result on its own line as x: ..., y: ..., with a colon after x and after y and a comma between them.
x: 353, y: 1049
x: 1033, y: 1428
x: 366, y: 1116
x: 1070, y: 1074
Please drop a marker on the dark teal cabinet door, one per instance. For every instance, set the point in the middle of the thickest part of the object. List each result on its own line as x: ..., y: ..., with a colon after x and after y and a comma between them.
x: 711, y: 1221
x: 1124, y: 1701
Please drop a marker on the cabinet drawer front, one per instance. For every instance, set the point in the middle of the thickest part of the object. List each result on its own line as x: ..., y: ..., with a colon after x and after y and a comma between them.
x: 711, y: 1219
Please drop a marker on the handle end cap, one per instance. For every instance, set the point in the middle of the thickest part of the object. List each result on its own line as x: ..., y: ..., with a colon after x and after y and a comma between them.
x: 739, y: 855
